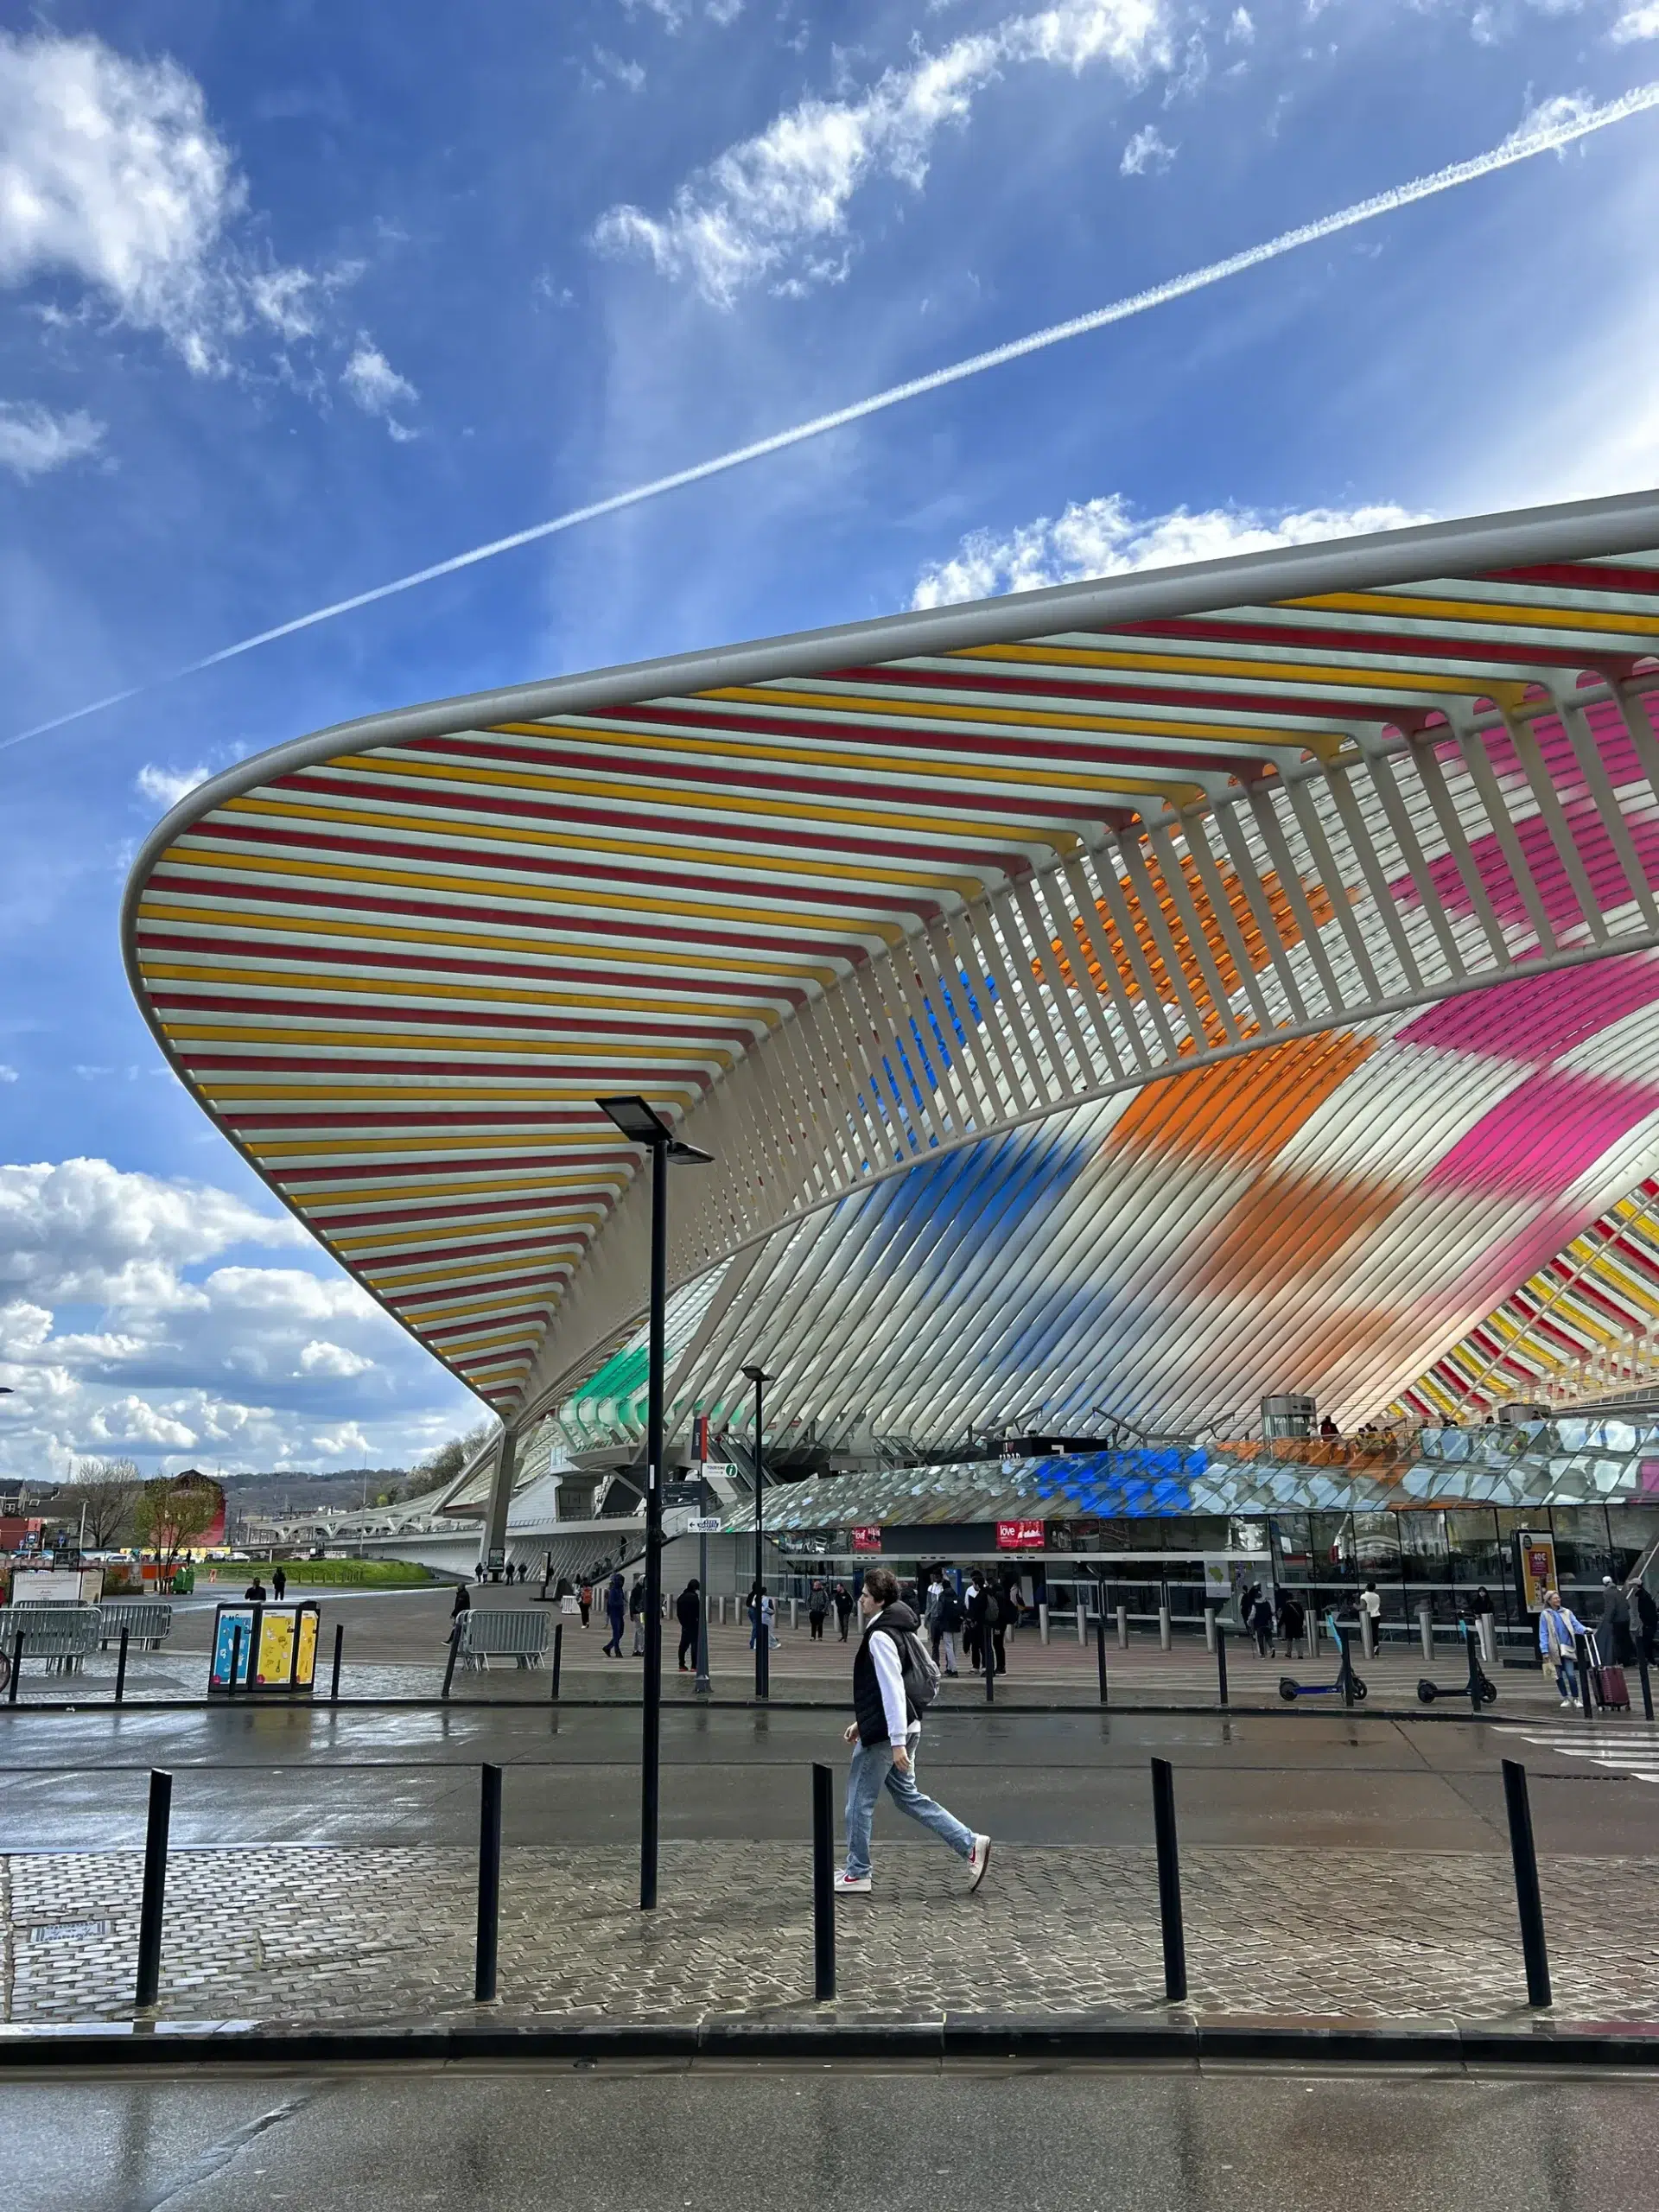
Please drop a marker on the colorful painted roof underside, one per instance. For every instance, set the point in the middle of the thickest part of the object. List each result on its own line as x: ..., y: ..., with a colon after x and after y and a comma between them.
x: 1261, y: 950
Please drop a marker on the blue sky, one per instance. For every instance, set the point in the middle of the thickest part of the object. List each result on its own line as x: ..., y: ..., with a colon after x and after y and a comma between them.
x: 294, y: 299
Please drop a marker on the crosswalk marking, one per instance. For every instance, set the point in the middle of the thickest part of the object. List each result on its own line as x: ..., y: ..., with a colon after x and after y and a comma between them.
x: 1632, y: 1746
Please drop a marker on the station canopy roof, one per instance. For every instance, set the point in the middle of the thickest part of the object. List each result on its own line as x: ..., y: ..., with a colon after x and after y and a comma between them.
x: 398, y: 961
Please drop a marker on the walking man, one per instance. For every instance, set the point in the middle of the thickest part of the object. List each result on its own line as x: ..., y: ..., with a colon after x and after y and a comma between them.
x: 886, y: 1734
x: 817, y: 1608
x: 843, y: 1608
x: 616, y: 1611
x: 688, y: 1610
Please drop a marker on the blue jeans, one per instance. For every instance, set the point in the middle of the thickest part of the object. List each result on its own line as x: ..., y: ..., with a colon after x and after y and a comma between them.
x: 871, y: 1766
x: 1567, y: 1676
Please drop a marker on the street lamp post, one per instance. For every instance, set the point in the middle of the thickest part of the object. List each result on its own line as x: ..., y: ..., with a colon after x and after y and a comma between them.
x: 759, y: 1377
x: 641, y: 1124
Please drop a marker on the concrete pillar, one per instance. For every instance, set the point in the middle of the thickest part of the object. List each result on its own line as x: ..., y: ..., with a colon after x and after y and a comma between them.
x: 1122, y: 1628
x: 1164, y: 1632
x: 1082, y: 1614
x: 1208, y: 1628
x: 794, y: 1612
x: 1042, y: 1619
x: 1486, y: 1631
x: 1311, y: 1634
x: 1426, y: 1629
x: 495, y: 1518
x: 1367, y: 1635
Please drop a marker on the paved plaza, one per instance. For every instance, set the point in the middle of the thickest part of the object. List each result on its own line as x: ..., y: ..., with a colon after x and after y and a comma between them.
x: 396, y: 1647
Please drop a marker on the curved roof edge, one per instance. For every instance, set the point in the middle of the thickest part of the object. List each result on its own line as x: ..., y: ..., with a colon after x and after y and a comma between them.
x: 1522, y: 537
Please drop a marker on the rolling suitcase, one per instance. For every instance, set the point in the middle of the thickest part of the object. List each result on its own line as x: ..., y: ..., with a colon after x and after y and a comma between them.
x: 1611, y: 1688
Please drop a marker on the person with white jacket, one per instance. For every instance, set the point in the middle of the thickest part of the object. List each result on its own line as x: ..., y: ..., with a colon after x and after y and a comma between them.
x: 885, y: 1733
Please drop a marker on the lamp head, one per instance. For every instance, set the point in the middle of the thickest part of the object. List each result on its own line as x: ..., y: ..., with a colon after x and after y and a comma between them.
x: 638, y: 1122
x: 757, y: 1375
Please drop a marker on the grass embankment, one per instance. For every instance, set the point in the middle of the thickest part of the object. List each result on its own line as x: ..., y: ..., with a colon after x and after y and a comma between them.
x: 353, y: 1574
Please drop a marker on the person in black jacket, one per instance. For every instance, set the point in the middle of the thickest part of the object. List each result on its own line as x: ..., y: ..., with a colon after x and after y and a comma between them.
x: 1644, y: 1615
x: 688, y: 1610
x: 843, y: 1599
x: 885, y: 1733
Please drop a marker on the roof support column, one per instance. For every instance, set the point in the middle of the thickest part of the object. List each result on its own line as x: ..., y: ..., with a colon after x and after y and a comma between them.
x: 495, y: 1519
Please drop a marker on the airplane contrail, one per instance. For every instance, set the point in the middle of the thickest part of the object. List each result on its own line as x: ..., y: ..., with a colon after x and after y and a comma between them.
x: 1556, y: 124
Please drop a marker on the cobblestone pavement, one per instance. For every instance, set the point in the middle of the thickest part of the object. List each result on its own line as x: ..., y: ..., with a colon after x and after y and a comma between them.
x: 292, y: 1936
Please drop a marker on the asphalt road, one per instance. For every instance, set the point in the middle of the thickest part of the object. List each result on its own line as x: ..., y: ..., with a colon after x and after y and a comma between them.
x: 379, y: 1776
x: 1093, y: 2139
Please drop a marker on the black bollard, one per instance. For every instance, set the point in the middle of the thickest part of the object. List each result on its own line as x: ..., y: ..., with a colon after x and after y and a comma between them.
x: 489, y: 1883
x: 1169, y: 1881
x: 989, y: 1650
x: 558, y: 1658
x: 1581, y: 1645
x: 1471, y: 1644
x: 340, y: 1646
x: 762, y: 1659
x: 1528, y: 1901
x: 1346, y: 1670
x: 1100, y: 1653
x: 236, y: 1661
x: 153, y: 1902
x: 121, y: 1667
x: 824, y: 1877
x: 1221, y: 1664
x: 449, y: 1663
x: 1646, y: 1688
x: 17, y: 1668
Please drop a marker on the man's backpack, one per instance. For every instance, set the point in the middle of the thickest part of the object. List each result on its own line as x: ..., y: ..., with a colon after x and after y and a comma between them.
x: 993, y: 1614
x: 922, y: 1677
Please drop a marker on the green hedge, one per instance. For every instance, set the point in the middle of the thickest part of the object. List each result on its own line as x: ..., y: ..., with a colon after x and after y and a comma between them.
x: 354, y: 1574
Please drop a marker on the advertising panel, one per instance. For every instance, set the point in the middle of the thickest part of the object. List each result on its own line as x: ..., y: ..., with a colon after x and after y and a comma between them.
x: 867, y: 1540
x: 277, y: 1650
x: 1534, y: 1567
x: 1018, y: 1535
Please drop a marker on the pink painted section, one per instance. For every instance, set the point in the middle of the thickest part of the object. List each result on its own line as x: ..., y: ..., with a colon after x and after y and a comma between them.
x: 1537, y: 1018
x: 1647, y: 1479
x: 1608, y: 883
x: 1543, y: 1135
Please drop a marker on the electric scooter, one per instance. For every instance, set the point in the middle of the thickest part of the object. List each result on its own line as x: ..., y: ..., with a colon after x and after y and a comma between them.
x: 1479, y: 1690
x: 1348, y: 1685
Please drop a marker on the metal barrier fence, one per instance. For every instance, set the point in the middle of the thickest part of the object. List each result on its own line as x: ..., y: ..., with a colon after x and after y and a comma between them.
x: 820, y: 1871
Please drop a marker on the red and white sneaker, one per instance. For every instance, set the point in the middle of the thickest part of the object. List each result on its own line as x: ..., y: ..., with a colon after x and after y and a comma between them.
x: 979, y: 1859
x: 851, y: 1885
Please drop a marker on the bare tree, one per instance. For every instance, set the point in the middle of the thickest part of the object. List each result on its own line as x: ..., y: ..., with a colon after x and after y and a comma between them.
x: 446, y: 1462
x: 172, y: 1511
x: 108, y: 1489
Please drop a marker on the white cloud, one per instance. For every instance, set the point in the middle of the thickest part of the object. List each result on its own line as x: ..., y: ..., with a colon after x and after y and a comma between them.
x: 1639, y: 22
x: 286, y: 299
x: 117, y: 1329
x: 629, y: 74
x: 165, y: 787
x: 779, y: 199
x: 1146, y: 151
x: 113, y: 173
x: 7, y: 1074
x: 81, y: 1230
x: 370, y: 380
x: 33, y: 440
x: 1241, y: 30
x: 320, y: 1357
x: 675, y: 14
x: 1103, y: 537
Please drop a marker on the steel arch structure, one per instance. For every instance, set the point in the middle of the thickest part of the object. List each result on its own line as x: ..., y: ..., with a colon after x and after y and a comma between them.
x: 892, y: 917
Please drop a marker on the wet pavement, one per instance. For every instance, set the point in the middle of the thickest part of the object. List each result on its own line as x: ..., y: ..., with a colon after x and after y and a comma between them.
x: 249, y: 1776
x: 1102, y: 2140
